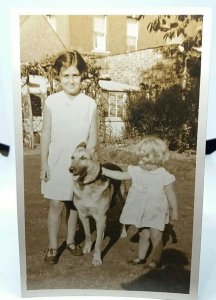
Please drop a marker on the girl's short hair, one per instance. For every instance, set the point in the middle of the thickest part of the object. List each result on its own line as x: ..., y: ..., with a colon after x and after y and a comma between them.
x: 152, y: 150
x: 70, y: 58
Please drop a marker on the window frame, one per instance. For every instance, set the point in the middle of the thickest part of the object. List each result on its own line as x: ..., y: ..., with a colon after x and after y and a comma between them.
x: 131, y: 20
x: 116, y: 104
x: 97, y: 32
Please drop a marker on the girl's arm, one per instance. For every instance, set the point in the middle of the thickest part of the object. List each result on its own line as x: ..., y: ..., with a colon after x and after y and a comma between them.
x: 118, y: 175
x: 45, y: 141
x: 171, y: 197
x: 92, y: 139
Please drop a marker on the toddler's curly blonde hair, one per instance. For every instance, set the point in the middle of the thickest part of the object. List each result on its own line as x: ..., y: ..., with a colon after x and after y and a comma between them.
x: 152, y: 150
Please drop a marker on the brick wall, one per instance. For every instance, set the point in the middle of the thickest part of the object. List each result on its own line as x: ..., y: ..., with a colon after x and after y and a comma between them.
x: 151, y: 66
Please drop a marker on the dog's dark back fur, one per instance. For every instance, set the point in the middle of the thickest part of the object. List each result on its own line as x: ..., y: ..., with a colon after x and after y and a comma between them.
x: 116, y: 183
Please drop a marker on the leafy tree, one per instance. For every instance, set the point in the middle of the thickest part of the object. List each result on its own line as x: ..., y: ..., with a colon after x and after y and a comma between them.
x: 171, y: 111
x: 178, y: 26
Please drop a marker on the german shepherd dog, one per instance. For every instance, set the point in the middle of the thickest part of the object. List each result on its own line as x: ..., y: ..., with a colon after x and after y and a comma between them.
x: 93, y: 194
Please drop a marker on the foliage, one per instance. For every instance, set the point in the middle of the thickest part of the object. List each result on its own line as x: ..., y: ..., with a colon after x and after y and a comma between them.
x: 179, y: 26
x: 42, y: 68
x: 170, y: 116
x: 194, y: 66
x: 169, y: 108
x: 189, y: 28
x: 92, y: 88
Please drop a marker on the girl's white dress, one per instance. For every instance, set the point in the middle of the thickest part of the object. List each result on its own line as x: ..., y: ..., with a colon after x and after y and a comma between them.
x: 146, y: 204
x: 70, y: 125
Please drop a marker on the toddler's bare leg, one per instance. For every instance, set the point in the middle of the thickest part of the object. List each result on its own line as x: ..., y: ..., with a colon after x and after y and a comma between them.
x: 157, y: 246
x: 144, y: 243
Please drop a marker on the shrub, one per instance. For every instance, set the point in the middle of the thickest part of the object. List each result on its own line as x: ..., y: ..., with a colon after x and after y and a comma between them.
x: 172, y: 116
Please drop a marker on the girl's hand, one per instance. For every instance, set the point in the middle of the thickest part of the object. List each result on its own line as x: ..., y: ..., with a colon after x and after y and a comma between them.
x: 45, y: 174
x: 174, y: 215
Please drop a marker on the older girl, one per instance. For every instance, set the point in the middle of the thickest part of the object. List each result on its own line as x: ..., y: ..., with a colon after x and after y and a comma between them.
x: 69, y: 118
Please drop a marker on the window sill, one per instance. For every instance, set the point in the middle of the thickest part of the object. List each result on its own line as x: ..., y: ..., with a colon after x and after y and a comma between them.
x: 113, y: 119
x: 100, y: 51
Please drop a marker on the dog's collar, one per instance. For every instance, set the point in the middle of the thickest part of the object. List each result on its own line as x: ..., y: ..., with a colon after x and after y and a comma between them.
x: 97, y: 176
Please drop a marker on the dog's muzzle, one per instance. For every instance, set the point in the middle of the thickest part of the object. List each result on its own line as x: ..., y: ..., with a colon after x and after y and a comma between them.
x: 72, y: 170
x: 78, y: 174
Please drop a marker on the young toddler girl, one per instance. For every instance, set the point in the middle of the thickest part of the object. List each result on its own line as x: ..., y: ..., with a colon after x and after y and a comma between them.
x: 151, y: 200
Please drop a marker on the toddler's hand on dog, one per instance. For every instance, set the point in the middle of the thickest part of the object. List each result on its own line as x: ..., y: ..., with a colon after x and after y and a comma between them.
x: 45, y: 174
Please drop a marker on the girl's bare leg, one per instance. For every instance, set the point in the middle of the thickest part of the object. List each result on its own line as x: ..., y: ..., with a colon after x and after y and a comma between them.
x: 54, y: 223
x: 71, y: 228
x: 157, y: 247
x: 144, y: 243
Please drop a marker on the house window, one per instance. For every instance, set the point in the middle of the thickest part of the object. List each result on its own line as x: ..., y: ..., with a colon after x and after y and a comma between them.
x: 52, y: 21
x: 132, y: 34
x: 99, y: 33
x: 116, y: 104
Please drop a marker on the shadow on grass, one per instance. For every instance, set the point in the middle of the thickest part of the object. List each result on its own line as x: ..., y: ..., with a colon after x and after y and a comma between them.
x: 61, y: 249
x: 113, y: 228
x: 112, y: 231
x: 113, y: 236
x: 172, y: 277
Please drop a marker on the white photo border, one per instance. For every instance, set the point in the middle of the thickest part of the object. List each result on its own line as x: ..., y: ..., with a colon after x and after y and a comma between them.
x: 200, y: 158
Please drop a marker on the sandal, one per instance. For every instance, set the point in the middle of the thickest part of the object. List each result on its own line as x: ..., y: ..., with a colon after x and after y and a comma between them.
x: 77, y: 251
x: 136, y: 261
x: 151, y: 265
x: 52, y: 259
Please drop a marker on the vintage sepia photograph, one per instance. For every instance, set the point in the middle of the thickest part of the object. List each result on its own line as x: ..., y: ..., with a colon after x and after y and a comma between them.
x: 111, y: 132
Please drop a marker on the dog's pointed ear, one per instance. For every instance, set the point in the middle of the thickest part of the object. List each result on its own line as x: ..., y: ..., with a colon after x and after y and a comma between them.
x: 81, y: 145
x: 94, y: 154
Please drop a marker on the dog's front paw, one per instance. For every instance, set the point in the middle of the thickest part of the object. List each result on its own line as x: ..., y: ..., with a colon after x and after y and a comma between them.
x: 87, y: 247
x: 123, y: 232
x: 96, y: 260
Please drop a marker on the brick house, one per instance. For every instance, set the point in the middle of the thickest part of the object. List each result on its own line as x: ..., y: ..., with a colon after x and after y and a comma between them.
x: 38, y: 39
x: 124, y: 48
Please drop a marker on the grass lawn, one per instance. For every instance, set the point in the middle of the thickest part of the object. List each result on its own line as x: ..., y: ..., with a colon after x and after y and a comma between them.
x: 115, y: 273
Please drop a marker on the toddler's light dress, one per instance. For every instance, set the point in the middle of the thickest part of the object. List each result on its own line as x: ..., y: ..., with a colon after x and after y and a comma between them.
x: 70, y: 125
x: 146, y: 204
